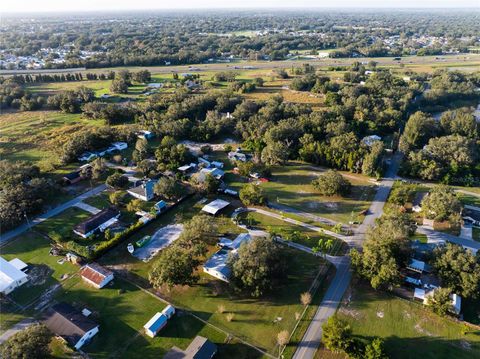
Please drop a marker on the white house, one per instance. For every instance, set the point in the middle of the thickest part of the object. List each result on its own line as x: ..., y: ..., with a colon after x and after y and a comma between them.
x: 216, y: 265
x: 144, y: 191
x: 76, y: 328
x: 11, y: 277
x: 424, y: 295
x: 96, y: 275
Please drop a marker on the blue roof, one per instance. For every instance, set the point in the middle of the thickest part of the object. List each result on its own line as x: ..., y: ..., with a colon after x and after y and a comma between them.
x: 156, y: 323
x: 161, y: 204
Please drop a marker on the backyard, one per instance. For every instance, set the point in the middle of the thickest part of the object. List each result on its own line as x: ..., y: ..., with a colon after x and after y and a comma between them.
x: 408, y: 329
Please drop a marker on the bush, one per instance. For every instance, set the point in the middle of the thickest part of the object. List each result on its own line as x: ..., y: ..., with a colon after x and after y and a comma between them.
x: 332, y: 183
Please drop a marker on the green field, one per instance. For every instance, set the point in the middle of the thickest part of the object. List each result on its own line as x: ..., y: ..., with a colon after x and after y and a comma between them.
x: 408, y: 329
x: 255, y: 320
x: 290, y: 231
x: 291, y: 186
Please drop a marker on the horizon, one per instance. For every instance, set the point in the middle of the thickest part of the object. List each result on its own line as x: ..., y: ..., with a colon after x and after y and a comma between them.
x: 56, y: 6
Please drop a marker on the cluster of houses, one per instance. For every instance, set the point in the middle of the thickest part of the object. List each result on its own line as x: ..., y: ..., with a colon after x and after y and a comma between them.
x: 114, y: 147
x: 418, y: 275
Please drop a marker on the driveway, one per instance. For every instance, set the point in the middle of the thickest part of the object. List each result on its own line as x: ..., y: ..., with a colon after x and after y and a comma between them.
x: 5, y: 237
x: 436, y: 237
x: 24, y: 324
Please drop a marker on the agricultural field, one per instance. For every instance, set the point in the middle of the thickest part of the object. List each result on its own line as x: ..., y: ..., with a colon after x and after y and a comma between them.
x: 408, y: 329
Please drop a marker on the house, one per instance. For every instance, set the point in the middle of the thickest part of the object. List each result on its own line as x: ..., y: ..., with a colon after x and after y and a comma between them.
x: 237, y: 156
x: 144, y: 191
x: 417, y: 201
x: 160, y: 206
x: 155, y: 85
x: 98, y: 222
x: 370, y: 140
x: 187, y: 168
x: 168, y: 311
x: 217, y: 164
x: 416, y: 266
x: 120, y: 146
x: 217, y: 265
x: 96, y: 275
x: 155, y: 324
x: 146, y: 135
x: 11, y: 276
x: 425, y: 294
x: 65, y: 321
x: 203, y: 161
x: 199, y: 348
x: 72, y: 177
x: 215, y: 172
x: 87, y: 156
x: 19, y: 264
x: 215, y: 206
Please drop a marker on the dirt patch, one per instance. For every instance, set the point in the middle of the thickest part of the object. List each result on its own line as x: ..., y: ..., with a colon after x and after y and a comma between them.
x: 350, y: 312
x: 419, y: 329
x: 38, y: 274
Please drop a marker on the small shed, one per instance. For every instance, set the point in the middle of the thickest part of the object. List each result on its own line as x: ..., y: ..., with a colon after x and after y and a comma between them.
x: 155, y: 324
x: 168, y: 311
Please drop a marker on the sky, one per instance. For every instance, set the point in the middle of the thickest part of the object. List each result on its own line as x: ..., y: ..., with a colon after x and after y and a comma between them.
x: 100, y: 5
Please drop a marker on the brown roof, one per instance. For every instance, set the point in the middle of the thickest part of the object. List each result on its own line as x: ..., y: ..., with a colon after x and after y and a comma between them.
x: 95, y: 273
x: 64, y: 320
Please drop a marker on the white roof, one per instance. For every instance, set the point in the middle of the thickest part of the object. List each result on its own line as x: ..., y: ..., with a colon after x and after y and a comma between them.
x: 18, y: 263
x: 417, y: 265
x: 9, y: 274
x: 419, y: 293
x: 184, y: 168
x: 215, y: 206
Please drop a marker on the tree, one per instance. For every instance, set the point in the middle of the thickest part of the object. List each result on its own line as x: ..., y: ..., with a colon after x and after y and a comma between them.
x: 440, y: 301
x: 259, y: 266
x: 167, y: 188
x: 306, y: 298
x: 419, y: 129
x: 275, y: 153
x: 324, y: 246
x: 336, y: 335
x: 373, y: 161
x: 141, y: 150
x: 142, y: 76
x: 197, y: 233
x: 441, y: 204
x: 116, y: 180
x: 211, y: 184
x: 245, y: 168
x: 282, y: 339
x: 386, y: 249
x: 30, y: 343
x: 119, y: 86
x: 374, y: 350
x: 134, y: 205
x: 116, y: 197
x: 98, y: 167
x: 332, y: 183
x: 176, y: 266
x: 458, y: 269
x: 251, y: 194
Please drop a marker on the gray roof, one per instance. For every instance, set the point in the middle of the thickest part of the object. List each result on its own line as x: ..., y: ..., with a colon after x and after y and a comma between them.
x: 64, y: 320
x: 199, y: 348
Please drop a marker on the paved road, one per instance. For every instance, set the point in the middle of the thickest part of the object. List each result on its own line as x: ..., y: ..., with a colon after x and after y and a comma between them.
x: 441, y: 237
x: 24, y: 324
x: 5, y: 237
x: 311, y: 340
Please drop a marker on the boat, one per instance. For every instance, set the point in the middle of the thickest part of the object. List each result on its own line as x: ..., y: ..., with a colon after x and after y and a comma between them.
x: 130, y: 248
x: 141, y: 242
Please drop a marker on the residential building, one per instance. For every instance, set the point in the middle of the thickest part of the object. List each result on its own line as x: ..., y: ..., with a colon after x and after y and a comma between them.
x: 370, y: 140
x: 425, y: 294
x: 215, y: 206
x: 11, y: 275
x: 160, y: 206
x: 144, y: 191
x: 215, y: 172
x: 98, y: 222
x: 237, y: 156
x: 216, y: 265
x: 69, y: 323
x: 158, y: 321
x: 96, y: 275
x: 199, y: 348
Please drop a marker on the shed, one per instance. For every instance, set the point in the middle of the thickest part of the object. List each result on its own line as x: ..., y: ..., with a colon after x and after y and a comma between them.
x: 96, y: 275
x: 155, y: 324
x: 160, y: 206
x: 168, y: 311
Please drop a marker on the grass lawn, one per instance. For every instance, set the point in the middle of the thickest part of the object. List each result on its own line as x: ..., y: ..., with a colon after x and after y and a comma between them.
x: 256, y: 320
x: 101, y: 201
x: 476, y: 233
x: 61, y: 225
x: 422, y: 238
x: 408, y: 329
x: 290, y: 231
x: 467, y: 199
x: 45, y: 271
x: 291, y: 186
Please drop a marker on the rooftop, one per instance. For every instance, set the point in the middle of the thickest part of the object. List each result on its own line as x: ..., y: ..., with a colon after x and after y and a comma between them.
x: 215, y: 206
x: 95, y: 273
x: 9, y: 273
x: 96, y: 220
